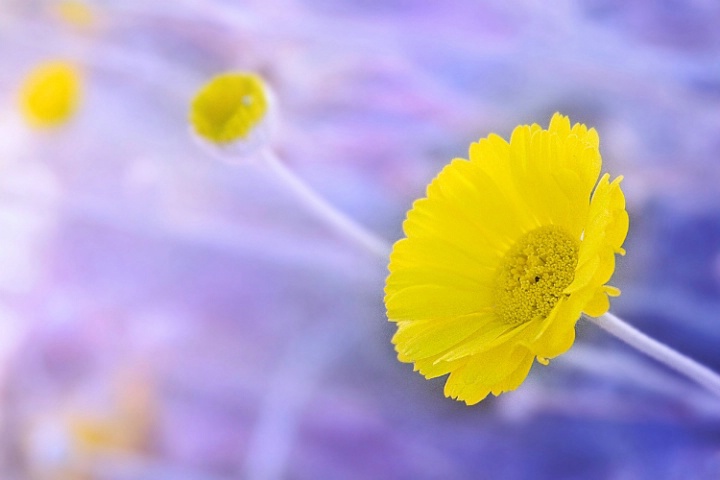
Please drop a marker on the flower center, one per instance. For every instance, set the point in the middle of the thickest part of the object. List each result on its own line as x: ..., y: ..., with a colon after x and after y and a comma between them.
x: 534, y: 273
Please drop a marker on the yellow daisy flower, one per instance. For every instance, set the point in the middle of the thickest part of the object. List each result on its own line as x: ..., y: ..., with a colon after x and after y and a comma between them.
x: 502, y: 257
x: 51, y: 94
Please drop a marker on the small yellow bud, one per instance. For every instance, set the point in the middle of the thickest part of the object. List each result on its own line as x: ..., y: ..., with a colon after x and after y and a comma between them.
x: 229, y: 107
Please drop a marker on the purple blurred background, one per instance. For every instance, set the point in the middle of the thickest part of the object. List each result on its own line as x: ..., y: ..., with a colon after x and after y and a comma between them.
x: 165, y: 315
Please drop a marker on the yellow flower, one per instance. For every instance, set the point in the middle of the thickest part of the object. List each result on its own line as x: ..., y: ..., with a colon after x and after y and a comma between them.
x: 229, y: 107
x: 503, y: 256
x: 50, y: 94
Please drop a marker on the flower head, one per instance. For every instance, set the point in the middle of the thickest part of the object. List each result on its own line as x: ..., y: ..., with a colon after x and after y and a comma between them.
x: 50, y: 94
x: 502, y: 257
x: 231, y: 110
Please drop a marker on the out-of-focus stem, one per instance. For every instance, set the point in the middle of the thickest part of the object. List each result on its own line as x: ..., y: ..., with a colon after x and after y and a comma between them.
x: 659, y: 351
x: 337, y: 219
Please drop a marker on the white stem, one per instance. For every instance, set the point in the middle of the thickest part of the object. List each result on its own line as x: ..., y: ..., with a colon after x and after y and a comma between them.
x: 659, y: 351
x: 326, y: 211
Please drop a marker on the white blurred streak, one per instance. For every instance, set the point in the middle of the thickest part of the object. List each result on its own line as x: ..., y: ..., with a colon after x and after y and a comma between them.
x: 638, y: 372
x: 289, y: 388
x: 624, y: 371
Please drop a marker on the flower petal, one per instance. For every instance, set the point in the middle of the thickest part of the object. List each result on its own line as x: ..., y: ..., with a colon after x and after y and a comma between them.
x: 598, y: 305
x: 423, y: 302
x: 425, y: 338
x: 486, y: 372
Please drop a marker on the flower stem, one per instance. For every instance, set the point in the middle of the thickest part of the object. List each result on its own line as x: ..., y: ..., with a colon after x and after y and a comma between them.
x: 340, y: 221
x: 659, y: 351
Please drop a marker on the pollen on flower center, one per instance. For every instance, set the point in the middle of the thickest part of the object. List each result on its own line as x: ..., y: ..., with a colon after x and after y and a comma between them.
x: 534, y: 273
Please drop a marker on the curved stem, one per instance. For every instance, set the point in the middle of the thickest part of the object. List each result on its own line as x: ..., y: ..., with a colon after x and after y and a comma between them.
x: 340, y: 221
x: 659, y: 351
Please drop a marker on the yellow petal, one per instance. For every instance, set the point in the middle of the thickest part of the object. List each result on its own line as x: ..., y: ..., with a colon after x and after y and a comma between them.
x: 559, y: 125
x: 426, y: 275
x: 486, y: 372
x: 556, y: 341
x: 424, y: 338
x: 512, y: 381
x: 586, y: 270
x: 477, y: 199
x: 430, y: 367
x: 612, y: 291
x: 484, y: 339
x: 423, y: 252
x: 442, y: 222
x: 423, y: 302
x: 617, y: 229
x: 606, y: 266
x: 598, y: 305
x: 569, y: 184
x: 554, y: 335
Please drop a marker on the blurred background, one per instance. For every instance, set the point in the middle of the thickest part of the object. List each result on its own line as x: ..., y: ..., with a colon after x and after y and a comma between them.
x: 168, y: 315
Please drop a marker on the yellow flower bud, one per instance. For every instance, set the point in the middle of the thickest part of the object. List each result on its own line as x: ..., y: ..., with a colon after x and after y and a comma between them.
x: 51, y: 94
x: 231, y: 110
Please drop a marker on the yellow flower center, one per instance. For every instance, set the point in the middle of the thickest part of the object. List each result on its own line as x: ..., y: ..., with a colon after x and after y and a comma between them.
x: 534, y: 273
x: 228, y: 107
